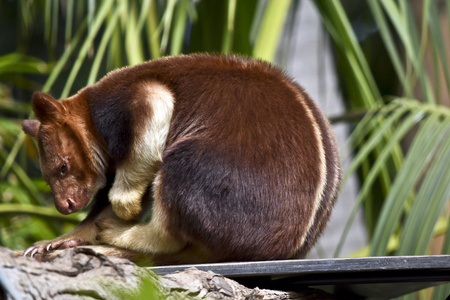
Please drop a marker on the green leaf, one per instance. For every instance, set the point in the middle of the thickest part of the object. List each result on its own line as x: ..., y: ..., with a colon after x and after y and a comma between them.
x: 97, y: 22
x: 438, y: 43
x: 133, y: 41
x: 106, y: 38
x: 179, y: 27
x: 380, y: 162
x: 338, y: 25
x: 429, y: 203
x: 12, y: 155
x: 425, y: 143
x: 270, y: 31
x: 69, y: 20
x: 395, y: 55
x: 227, y: 43
x: 40, y: 211
x: 401, y: 18
x: 153, y: 32
x: 64, y: 58
x: 19, y: 63
x: 24, y: 179
x: 375, y: 140
x: 167, y: 23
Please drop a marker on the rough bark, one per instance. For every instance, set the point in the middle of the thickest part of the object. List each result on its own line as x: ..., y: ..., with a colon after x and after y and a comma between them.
x: 82, y: 273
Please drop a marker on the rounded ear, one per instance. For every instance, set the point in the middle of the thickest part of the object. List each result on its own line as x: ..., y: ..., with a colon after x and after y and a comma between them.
x: 46, y: 108
x: 31, y: 127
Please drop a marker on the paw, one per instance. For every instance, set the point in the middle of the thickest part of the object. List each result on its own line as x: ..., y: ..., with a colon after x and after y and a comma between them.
x: 126, y: 205
x: 45, y: 247
x: 126, y: 211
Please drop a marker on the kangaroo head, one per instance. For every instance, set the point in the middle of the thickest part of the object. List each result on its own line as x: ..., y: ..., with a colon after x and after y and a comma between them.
x: 67, y: 153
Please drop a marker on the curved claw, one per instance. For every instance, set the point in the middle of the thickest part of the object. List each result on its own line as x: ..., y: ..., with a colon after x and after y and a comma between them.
x: 31, y: 251
x: 28, y: 250
x: 54, y: 245
x: 63, y: 244
x: 35, y: 250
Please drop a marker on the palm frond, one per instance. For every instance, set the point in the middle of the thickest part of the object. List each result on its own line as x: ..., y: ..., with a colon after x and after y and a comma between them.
x: 432, y: 131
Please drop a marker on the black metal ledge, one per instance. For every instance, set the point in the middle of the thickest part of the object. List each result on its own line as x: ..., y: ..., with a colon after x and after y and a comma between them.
x: 395, y: 275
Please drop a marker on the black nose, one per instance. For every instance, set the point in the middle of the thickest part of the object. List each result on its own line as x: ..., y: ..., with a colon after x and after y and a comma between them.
x: 70, y: 205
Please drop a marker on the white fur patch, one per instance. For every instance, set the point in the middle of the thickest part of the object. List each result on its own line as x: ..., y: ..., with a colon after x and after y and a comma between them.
x: 153, y: 237
x: 318, y: 197
x: 155, y: 137
x: 135, y: 173
x: 100, y: 163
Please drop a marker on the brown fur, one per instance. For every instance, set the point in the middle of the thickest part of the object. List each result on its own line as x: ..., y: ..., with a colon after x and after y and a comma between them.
x: 249, y: 167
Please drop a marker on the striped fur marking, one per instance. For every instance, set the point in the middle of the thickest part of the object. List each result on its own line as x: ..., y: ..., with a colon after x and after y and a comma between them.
x: 318, y: 197
x: 135, y: 173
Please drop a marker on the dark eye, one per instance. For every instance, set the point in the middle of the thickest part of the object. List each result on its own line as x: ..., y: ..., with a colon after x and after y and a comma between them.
x: 63, y: 168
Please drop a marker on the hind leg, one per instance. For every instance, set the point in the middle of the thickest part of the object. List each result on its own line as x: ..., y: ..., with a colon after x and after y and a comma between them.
x: 156, y: 237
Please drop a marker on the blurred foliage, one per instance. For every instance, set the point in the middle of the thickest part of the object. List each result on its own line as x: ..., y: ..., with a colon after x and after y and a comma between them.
x: 391, y: 59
